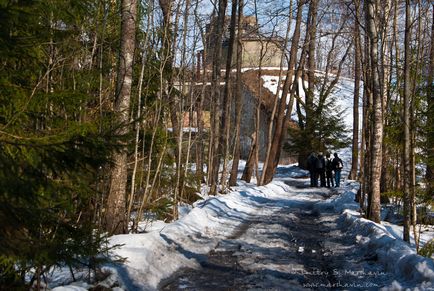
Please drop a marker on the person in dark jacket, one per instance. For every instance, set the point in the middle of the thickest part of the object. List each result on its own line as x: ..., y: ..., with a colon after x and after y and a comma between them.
x: 312, y: 160
x: 329, y: 171
x: 321, y: 169
x: 337, y: 165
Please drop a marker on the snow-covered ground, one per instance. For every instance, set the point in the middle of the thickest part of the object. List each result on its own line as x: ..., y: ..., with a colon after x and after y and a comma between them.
x: 426, y: 232
x: 166, y: 248
x: 343, y: 93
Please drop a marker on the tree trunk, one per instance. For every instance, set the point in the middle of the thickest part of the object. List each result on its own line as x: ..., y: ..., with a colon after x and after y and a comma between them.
x: 173, y: 98
x: 200, y: 151
x: 367, y: 134
x: 214, y: 157
x: 250, y: 164
x: 183, y: 165
x: 406, y: 119
x: 384, y: 75
x: 276, y: 141
x: 311, y: 28
x: 136, y: 140
x: 430, y: 122
x: 260, y: 180
x: 377, y: 116
x: 167, y: 54
x: 418, y: 69
x: 238, y: 98
x: 357, y: 78
x: 116, y: 221
x: 227, y: 100
x: 200, y: 147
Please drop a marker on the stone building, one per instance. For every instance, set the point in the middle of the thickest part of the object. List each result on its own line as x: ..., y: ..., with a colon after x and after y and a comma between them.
x: 255, y: 46
x: 254, y: 90
x: 257, y: 49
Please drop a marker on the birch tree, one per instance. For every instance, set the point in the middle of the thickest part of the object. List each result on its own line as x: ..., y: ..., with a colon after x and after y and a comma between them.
x: 376, y: 116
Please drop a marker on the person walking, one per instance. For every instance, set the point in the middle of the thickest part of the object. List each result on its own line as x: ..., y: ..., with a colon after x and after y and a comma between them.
x: 321, y: 169
x: 337, y: 166
x: 312, y: 161
x: 329, y: 171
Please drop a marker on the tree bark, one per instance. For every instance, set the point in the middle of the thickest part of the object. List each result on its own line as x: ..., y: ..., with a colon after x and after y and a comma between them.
x: 406, y: 120
x: 377, y: 116
x: 279, y: 127
x: 183, y: 78
x: 384, y: 75
x: 250, y: 164
x: 238, y: 98
x: 167, y: 43
x: 116, y: 220
x: 227, y: 100
x: 311, y: 28
x: 201, y: 63
x: 214, y: 157
x: 173, y: 98
x: 357, y: 77
x: 367, y: 132
x: 416, y: 64
x: 200, y: 151
x: 430, y: 97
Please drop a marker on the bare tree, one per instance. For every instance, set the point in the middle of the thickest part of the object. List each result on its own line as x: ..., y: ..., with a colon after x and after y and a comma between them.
x: 311, y: 67
x: 199, y: 102
x: 376, y: 114
x: 367, y: 113
x: 430, y: 97
x: 253, y: 157
x: 116, y: 221
x: 385, y: 44
x: 275, y: 140
x: 227, y: 98
x: 357, y: 78
x: 406, y: 121
x: 214, y: 157
x: 238, y: 95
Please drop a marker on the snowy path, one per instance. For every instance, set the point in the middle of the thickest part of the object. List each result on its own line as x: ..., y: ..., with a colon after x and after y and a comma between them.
x: 287, y: 245
x: 282, y: 236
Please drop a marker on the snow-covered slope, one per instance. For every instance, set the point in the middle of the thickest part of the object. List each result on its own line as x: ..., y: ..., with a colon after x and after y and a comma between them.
x: 376, y: 241
x: 343, y: 93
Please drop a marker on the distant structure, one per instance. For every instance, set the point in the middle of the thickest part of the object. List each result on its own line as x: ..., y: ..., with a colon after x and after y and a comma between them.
x: 257, y: 50
x: 254, y: 45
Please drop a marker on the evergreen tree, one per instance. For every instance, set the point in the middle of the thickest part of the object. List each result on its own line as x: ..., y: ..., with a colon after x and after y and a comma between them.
x: 53, y: 140
x: 328, y: 131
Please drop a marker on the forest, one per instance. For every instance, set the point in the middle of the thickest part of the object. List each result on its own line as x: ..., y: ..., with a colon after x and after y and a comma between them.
x: 116, y: 112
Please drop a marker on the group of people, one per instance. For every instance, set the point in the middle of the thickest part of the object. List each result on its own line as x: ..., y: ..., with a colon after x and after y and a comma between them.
x: 327, y: 170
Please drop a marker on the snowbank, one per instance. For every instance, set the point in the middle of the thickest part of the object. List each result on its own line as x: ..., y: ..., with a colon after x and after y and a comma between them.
x: 154, y: 256
x: 342, y: 202
x: 378, y: 244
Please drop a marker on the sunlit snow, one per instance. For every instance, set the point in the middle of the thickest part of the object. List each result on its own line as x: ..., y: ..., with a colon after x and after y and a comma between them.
x: 165, y: 248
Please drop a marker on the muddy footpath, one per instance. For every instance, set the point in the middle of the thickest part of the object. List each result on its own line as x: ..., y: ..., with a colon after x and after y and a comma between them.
x: 287, y: 245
